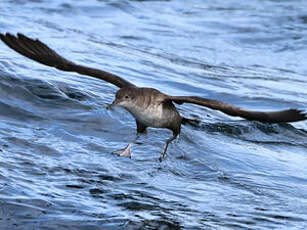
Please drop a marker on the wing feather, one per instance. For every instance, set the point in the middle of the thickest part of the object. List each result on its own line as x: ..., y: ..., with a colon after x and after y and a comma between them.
x: 38, y: 51
x: 289, y: 115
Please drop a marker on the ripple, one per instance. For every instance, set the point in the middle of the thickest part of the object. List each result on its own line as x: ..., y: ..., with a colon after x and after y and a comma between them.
x: 56, y: 170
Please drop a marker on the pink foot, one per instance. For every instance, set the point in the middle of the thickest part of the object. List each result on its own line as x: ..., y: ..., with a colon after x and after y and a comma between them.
x: 126, y: 152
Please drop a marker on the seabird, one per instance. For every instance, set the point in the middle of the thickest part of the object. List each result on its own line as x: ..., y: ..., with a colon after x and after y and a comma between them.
x: 149, y: 106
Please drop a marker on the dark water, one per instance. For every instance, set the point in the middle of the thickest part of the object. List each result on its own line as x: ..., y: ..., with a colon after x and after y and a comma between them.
x: 56, y: 170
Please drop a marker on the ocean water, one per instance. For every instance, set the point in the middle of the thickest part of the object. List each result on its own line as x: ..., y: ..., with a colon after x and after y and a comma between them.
x: 56, y: 136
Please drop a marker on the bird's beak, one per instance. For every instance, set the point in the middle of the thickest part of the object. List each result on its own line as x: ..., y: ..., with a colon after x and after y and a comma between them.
x: 114, y: 103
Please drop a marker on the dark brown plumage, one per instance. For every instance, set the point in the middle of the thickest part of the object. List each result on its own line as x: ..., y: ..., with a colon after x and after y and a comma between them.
x: 150, y: 107
x: 38, y: 51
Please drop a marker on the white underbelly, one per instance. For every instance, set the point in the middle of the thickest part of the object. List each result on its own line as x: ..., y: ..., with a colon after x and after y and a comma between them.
x: 151, y: 116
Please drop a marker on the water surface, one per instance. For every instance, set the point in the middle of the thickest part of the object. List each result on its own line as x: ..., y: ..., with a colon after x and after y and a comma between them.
x: 56, y: 170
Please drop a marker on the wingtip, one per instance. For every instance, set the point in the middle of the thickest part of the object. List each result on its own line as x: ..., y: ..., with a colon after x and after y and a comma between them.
x: 3, y: 36
x: 301, y: 113
x: 22, y: 36
x: 8, y: 36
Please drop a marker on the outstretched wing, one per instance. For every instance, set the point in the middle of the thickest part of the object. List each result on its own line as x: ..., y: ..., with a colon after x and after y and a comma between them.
x: 289, y: 115
x: 38, y: 51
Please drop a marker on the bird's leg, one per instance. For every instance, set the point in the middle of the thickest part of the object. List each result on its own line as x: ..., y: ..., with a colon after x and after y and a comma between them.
x: 140, y: 128
x: 166, y: 145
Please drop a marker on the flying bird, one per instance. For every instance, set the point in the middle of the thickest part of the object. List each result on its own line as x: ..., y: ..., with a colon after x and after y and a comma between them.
x: 149, y: 106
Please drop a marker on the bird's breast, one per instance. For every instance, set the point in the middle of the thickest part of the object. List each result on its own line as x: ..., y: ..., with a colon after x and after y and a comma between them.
x: 154, y: 115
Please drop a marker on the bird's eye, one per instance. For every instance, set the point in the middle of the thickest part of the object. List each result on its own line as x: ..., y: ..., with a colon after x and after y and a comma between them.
x: 126, y: 97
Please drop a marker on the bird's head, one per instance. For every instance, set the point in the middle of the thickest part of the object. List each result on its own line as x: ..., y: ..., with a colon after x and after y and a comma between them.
x: 124, y: 97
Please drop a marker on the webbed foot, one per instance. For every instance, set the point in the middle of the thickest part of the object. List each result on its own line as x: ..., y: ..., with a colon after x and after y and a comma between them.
x: 126, y: 152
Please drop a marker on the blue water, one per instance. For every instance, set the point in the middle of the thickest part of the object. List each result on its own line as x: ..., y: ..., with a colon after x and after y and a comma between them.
x: 56, y: 170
